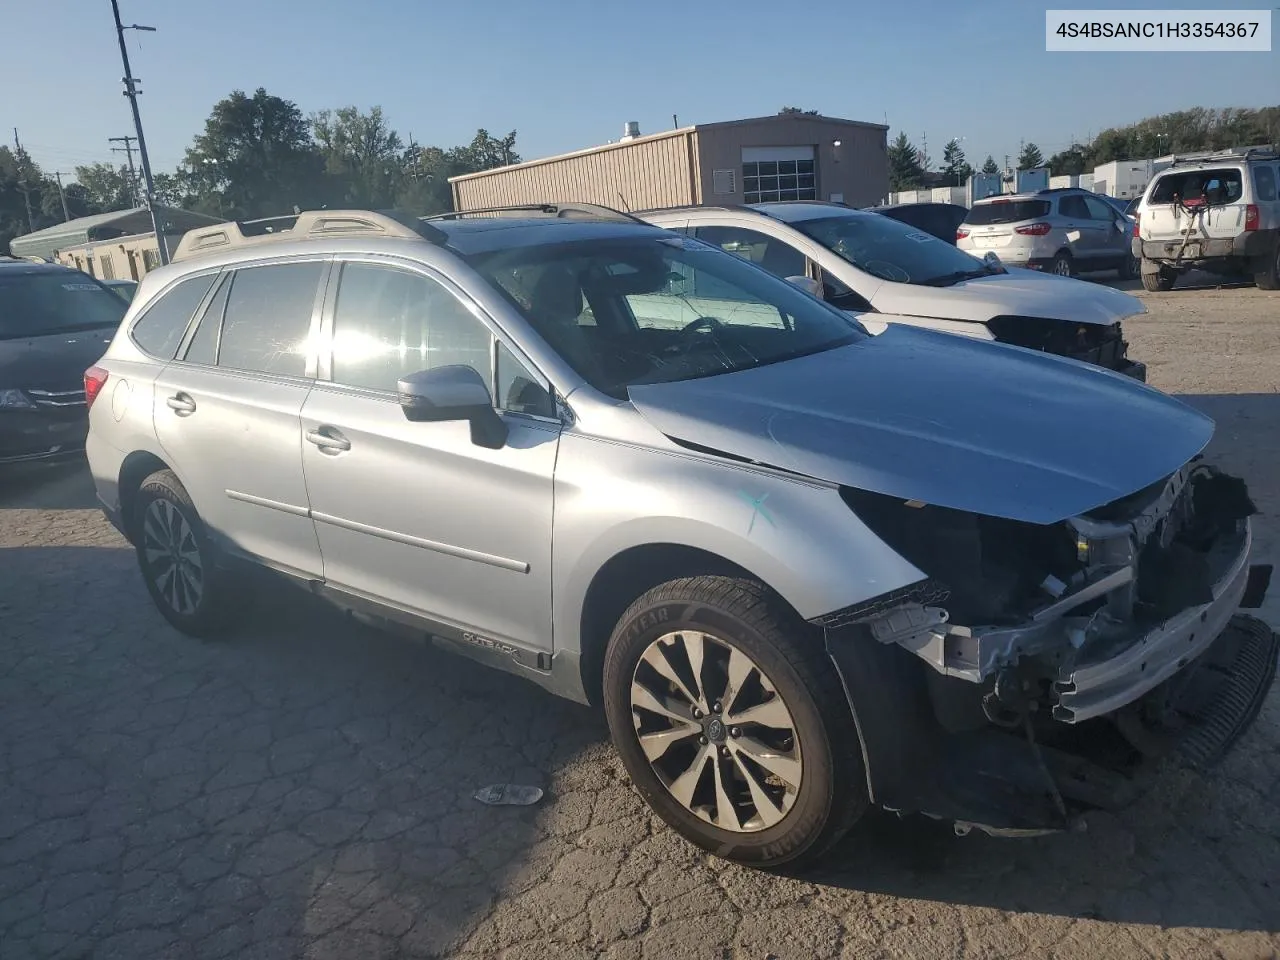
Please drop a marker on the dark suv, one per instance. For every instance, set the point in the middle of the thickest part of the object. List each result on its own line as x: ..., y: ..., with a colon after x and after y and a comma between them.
x: 54, y: 322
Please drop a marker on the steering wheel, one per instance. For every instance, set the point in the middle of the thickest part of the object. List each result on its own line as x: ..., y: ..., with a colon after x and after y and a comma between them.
x: 703, y: 324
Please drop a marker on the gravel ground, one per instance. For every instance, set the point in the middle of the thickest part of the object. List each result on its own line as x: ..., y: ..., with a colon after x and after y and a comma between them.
x: 304, y: 789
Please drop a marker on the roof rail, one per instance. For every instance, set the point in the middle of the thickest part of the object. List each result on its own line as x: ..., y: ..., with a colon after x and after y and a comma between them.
x: 1260, y: 152
x: 308, y: 225
x: 558, y: 209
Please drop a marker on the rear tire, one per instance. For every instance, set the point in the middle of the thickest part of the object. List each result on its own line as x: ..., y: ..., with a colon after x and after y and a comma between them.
x: 178, y: 561
x: 1268, y: 278
x: 765, y: 705
x: 1062, y: 265
x: 1129, y: 267
x: 1160, y: 282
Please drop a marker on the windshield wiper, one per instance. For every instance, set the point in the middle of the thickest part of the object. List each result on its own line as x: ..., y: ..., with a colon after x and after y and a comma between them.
x: 951, y: 279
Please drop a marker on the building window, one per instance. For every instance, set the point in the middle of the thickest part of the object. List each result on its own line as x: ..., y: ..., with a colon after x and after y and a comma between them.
x: 108, y: 268
x: 769, y: 180
x: 150, y: 259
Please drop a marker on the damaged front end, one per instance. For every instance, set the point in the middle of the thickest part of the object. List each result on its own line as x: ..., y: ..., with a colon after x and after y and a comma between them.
x: 1102, y: 346
x: 1061, y: 662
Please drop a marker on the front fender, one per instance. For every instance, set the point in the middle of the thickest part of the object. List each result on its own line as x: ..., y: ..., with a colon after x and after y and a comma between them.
x: 795, y: 535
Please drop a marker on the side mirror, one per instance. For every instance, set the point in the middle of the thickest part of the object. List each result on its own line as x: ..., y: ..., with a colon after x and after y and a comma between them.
x: 808, y: 285
x: 454, y: 392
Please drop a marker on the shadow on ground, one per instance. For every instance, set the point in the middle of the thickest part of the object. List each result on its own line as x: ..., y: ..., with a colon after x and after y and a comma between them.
x: 39, y: 486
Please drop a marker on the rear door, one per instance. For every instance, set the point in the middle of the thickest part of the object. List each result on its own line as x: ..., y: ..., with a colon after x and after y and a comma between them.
x: 1195, y: 204
x: 1111, y: 229
x: 1084, y: 235
x: 227, y: 411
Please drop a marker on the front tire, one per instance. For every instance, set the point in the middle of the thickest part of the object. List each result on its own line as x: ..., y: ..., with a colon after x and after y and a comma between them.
x: 732, y: 722
x: 177, y: 559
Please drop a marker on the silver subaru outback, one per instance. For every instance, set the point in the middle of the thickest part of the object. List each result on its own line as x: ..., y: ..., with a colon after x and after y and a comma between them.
x: 804, y: 570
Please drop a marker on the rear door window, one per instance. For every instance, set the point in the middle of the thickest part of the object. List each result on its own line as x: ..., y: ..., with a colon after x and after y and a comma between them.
x: 1006, y: 211
x: 268, y: 318
x: 1074, y: 207
x: 160, y: 329
x: 1100, y: 209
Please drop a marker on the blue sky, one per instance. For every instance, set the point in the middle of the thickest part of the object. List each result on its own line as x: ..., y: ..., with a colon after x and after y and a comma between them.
x: 567, y: 73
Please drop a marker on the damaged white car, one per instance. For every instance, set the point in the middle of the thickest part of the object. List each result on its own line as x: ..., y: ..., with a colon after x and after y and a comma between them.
x: 804, y: 569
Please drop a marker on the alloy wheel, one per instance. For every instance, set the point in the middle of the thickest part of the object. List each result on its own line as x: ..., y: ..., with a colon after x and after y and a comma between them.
x: 172, y: 557
x: 1062, y: 267
x: 716, y: 731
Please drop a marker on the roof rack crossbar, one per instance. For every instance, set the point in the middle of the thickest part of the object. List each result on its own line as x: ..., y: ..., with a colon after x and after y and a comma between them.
x: 558, y: 209
x: 1259, y: 152
x: 307, y: 225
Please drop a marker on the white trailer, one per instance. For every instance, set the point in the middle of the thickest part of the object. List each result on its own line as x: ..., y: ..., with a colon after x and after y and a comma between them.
x: 1125, y: 179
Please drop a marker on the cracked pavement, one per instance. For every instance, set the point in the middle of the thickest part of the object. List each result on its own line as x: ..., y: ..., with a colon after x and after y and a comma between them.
x: 304, y: 788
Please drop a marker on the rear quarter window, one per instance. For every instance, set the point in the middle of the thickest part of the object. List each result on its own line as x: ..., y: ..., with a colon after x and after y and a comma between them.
x: 159, y: 330
x: 1264, y: 180
x: 1006, y: 211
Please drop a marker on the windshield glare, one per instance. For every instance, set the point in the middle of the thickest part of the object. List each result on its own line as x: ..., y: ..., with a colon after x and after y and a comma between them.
x: 892, y: 250
x: 35, y: 304
x: 649, y: 310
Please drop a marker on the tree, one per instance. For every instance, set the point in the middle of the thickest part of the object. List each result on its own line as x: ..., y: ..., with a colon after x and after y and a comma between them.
x: 1072, y: 161
x: 362, y: 156
x: 989, y: 165
x: 256, y: 158
x: 22, y: 188
x: 797, y: 110
x: 485, y: 152
x: 954, y: 164
x: 107, y: 187
x: 905, y: 171
x: 1030, y: 157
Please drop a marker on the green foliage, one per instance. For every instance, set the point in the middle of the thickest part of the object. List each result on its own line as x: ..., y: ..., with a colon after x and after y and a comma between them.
x: 954, y: 165
x: 1030, y: 157
x: 797, y: 110
x: 1184, y: 131
x: 106, y: 187
x: 989, y: 165
x: 905, y: 170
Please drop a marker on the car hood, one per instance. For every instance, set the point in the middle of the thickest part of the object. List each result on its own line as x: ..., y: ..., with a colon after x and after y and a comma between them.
x: 56, y: 361
x: 959, y: 423
x: 1019, y: 293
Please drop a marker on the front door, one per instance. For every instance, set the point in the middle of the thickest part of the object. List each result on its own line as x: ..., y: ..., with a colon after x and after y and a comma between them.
x: 227, y: 412
x: 416, y: 515
x: 1113, y: 235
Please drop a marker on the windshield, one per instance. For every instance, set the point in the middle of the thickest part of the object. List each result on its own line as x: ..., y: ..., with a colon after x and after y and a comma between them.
x: 893, y: 251
x: 655, y: 310
x: 1199, y: 187
x: 35, y: 304
x: 1006, y: 211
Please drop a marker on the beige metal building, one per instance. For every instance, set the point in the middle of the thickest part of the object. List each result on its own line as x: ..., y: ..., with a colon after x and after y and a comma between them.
x: 783, y: 157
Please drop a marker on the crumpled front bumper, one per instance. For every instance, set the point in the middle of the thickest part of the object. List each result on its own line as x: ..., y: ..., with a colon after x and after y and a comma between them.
x: 1092, y: 688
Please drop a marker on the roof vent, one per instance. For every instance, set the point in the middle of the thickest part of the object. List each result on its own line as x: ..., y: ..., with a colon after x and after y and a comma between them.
x: 631, y: 130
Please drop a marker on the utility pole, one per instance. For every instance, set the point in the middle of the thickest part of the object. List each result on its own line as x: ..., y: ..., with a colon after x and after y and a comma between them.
x: 66, y: 214
x: 132, y: 92
x: 127, y: 149
x: 22, y: 180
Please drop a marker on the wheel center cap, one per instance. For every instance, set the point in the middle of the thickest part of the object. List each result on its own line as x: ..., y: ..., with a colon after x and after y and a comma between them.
x: 715, y: 730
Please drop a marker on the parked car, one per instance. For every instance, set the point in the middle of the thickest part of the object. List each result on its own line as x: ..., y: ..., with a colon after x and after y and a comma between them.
x: 940, y: 220
x: 1063, y: 230
x: 125, y: 289
x: 53, y: 323
x: 1219, y: 213
x: 890, y: 273
x: 804, y: 569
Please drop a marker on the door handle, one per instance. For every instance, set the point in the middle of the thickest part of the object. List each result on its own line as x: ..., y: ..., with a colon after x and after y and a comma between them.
x: 181, y: 404
x: 328, y: 439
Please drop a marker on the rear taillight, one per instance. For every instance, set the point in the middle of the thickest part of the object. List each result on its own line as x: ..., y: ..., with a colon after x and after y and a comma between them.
x: 1137, y: 220
x: 1033, y: 229
x: 95, y: 378
x: 1251, y: 217
x: 961, y: 233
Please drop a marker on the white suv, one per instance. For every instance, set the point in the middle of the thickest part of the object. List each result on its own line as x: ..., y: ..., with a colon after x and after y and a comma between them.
x: 1219, y: 213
